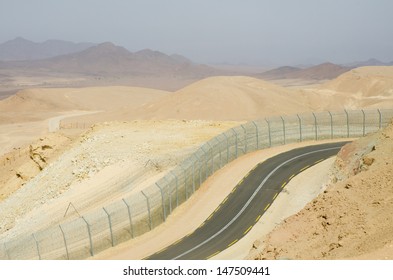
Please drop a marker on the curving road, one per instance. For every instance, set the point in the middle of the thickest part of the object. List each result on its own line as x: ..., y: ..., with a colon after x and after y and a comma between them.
x: 246, y: 204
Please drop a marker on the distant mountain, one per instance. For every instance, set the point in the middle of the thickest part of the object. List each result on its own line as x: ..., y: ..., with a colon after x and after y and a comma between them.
x: 20, y: 49
x: 180, y: 58
x: 370, y: 62
x: 109, y: 60
x: 324, y: 71
x: 280, y: 73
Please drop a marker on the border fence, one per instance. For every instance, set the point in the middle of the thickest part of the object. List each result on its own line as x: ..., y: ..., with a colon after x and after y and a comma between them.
x: 139, y: 213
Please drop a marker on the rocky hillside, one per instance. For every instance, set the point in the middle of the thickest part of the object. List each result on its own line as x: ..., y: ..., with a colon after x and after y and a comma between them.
x: 352, y: 218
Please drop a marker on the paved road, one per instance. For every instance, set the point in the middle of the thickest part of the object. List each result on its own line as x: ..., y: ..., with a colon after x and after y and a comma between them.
x: 246, y: 204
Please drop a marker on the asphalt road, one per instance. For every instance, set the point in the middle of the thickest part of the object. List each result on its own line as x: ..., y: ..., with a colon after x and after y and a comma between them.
x: 246, y: 204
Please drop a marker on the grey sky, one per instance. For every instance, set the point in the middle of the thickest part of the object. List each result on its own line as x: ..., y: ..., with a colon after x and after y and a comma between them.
x: 214, y: 31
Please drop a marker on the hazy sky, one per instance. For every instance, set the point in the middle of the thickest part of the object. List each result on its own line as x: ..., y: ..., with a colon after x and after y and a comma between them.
x: 214, y: 31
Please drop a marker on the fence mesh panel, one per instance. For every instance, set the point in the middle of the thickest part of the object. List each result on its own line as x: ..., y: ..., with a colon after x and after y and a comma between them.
x: 139, y: 209
x: 51, y: 244
x: 139, y: 213
x: 23, y: 248
x: 77, y: 239
x: 122, y: 227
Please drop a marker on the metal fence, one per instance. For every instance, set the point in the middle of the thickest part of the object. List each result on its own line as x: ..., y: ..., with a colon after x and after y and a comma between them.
x: 141, y: 212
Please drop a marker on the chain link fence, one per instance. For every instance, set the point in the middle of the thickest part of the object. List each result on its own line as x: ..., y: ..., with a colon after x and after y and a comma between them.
x: 139, y: 213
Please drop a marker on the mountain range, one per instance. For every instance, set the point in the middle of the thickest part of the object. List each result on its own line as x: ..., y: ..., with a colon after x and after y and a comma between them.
x: 109, y: 60
x: 106, y: 63
x: 21, y: 49
x: 324, y: 71
x: 370, y: 62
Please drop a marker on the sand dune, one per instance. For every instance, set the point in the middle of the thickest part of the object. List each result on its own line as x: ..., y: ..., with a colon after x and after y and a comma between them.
x: 246, y: 98
x: 223, y: 98
x: 367, y: 86
x: 365, y: 81
x: 33, y: 104
x: 214, y: 98
x: 91, y: 98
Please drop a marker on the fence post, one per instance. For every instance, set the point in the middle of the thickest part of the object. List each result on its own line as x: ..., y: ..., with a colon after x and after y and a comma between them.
x: 315, y: 126
x: 257, y: 134
x: 205, y: 157
x: 200, y: 168
x: 110, y: 226
x: 300, y: 128
x: 200, y: 171
x: 90, y: 239
x: 163, y: 202
x: 185, y: 180
x: 169, y: 195
x: 38, y: 248
x: 226, y: 137
x: 129, y: 217
x: 235, y: 142
x: 283, y: 129
x: 380, y: 118
x: 331, y: 125
x: 245, y: 139
x: 148, y: 209
x: 219, y: 145
x: 177, y: 188
x: 211, y: 157
x: 193, y: 177
x: 347, y: 122
x: 65, y: 242
x: 364, y: 123
x: 270, y: 136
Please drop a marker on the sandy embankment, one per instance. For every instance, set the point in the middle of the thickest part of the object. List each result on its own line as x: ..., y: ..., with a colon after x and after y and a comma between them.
x: 351, y: 219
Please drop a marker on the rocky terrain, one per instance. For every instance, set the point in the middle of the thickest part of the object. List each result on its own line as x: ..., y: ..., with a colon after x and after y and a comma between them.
x: 352, y: 218
x: 21, y: 165
x: 106, y: 162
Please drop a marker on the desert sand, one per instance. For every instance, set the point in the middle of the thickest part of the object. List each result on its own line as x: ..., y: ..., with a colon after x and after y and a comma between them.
x: 147, y: 132
x: 32, y: 113
x: 360, y: 88
x: 219, y: 98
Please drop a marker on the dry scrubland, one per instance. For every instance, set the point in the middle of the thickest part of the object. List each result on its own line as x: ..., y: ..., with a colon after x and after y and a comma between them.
x: 137, y: 134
